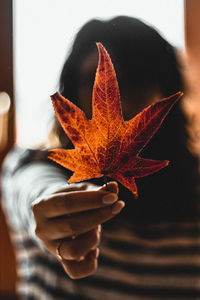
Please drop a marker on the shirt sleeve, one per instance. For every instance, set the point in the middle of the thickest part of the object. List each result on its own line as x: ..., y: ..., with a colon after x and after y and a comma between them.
x: 26, y: 177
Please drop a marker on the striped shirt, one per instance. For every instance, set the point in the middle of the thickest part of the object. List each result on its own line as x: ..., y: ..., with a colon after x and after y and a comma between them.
x: 161, y: 261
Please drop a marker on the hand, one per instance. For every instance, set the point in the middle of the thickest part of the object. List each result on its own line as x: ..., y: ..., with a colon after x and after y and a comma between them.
x: 69, y: 221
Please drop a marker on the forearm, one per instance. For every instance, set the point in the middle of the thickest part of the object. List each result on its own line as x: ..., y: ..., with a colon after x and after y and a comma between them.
x: 24, y: 184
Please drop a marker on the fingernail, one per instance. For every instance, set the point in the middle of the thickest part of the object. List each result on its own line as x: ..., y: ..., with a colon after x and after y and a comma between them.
x: 116, y: 186
x: 117, y: 207
x: 112, y: 186
x: 109, y: 198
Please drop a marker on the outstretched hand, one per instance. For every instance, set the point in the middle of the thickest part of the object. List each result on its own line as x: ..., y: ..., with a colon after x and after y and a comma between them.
x: 68, y: 223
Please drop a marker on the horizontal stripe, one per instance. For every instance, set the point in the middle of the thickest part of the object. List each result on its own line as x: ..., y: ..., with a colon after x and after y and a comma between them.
x: 179, y: 245
x: 149, y: 257
x: 173, y: 232
x: 134, y: 268
x: 193, y: 224
x: 23, y: 296
x: 140, y: 268
x: 43, y: 261
x: 128, y: 242
x: 141, y: 280
x: 55, y: 266
x: 157, y: 235
x: 65, y: 284
x: 108, y: 284
x: 160, y: 250
x: 126, y: 235
x: 48, y: 292
x: 155, y: 292
x: 103, y: 287
x: 33, y: 291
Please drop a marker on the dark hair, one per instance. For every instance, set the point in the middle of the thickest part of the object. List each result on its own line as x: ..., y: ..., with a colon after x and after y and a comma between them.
x: 147, y: 61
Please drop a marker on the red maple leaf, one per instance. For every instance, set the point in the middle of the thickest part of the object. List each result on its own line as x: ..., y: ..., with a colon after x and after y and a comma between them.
x: 107, y: 145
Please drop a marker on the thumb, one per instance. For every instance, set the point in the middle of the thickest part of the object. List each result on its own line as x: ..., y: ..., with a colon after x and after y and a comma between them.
x: 111, y: 187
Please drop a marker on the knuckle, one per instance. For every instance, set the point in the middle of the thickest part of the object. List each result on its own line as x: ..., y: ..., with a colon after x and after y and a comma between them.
x: 38, y: 231
x: 63, y: 229
x: 95, y: 238
x: 37, y: 207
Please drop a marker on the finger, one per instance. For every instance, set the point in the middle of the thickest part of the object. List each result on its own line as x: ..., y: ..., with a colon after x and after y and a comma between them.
x: 81, y: 186
x: 78, y: 224
x: 81, y: 269
x: 77, y: 249
x: 111, y: 187
x: 73, y: 202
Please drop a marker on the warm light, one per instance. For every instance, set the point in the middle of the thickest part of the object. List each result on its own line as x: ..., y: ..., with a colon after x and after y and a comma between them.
x: 4, y: 109
x: 4, y: 103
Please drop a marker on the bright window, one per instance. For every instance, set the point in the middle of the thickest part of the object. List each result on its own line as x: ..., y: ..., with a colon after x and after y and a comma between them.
x: 44, y: 31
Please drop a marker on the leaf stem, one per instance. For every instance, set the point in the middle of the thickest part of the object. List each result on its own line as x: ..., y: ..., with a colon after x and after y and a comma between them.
x: 105, y: 179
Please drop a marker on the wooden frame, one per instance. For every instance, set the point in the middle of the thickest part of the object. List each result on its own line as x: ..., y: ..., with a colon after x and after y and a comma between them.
x: 7, y: 259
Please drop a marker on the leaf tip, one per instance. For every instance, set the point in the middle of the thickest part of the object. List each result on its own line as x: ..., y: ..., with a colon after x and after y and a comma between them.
x: 178, y: 95
x: 71, y: 180
x: 181, y: 93
x: 99, y: 45
x: 166, y: 162
x: 102, y: 50
x: 54, y: 96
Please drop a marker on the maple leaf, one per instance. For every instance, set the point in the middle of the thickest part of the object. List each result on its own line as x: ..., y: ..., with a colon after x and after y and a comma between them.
x: 107, y: 145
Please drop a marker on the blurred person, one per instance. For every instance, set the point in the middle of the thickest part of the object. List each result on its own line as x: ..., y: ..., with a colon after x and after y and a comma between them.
x: 149, y: 248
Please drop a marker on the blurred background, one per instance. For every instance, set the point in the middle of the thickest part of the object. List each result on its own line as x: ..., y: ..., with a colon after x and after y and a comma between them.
x: 43, y: 33
x: 35, y: 37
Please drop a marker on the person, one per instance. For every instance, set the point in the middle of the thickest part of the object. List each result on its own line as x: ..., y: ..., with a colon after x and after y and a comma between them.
x: 149, y: 247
